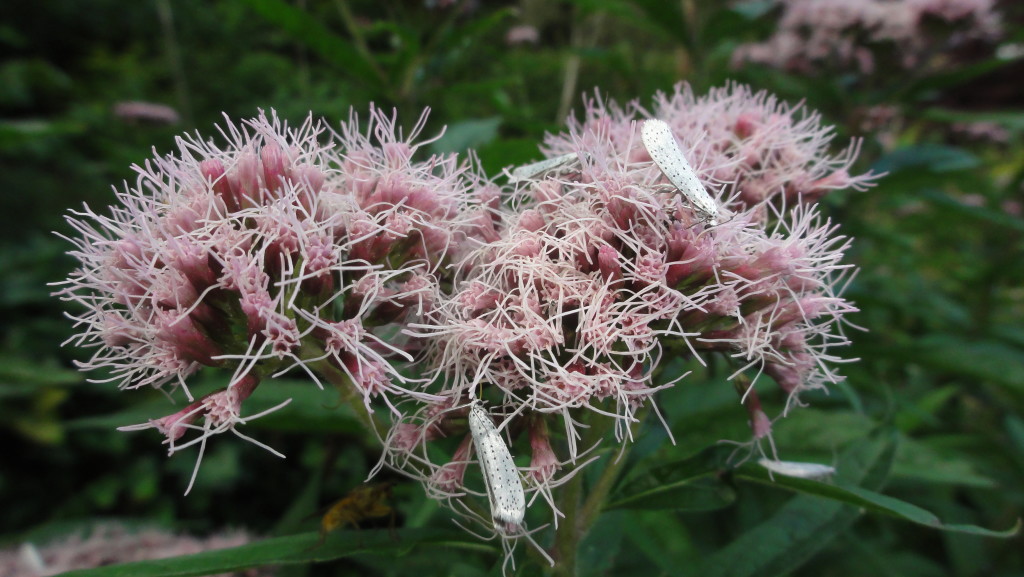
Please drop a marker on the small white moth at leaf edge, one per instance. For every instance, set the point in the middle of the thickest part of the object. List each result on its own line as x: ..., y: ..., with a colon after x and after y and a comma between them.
x: 501, y: 476
x: 799, y: 470
x: 661, y: 145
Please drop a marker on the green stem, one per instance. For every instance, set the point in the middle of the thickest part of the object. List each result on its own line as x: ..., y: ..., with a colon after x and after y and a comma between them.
x: 166, y: 15
x: 568, y: 535
x: 358, y: 40
x: 349, y: 394
x: 580, y: 514
x: 595, y: 500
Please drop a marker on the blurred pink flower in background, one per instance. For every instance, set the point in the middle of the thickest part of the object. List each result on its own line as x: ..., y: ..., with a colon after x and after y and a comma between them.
x: 522, y: 34
x: 108, y: 544
x: 134, y: 111
x: 816, y: 34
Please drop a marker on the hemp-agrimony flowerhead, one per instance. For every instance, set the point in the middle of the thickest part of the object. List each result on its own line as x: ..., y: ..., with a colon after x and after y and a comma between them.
x: 604, y: 271
x: 274, y: 251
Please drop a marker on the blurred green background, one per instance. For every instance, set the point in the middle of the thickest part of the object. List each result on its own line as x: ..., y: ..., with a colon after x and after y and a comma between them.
x: 938, y: 243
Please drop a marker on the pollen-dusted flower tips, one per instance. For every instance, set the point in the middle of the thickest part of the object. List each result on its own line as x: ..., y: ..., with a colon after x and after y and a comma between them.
x: 274, y: 251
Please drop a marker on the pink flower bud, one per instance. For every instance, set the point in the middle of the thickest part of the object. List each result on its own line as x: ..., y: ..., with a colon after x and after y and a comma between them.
x: 531, y: 220
x: 275, y: 168
x: 608, y: 263
x: 213, y: 171
x: 790, y: 377
x: 180, y: 334
x: 173, y: 426
x: 760, y: 424
x: 543, y: 461
x: 248, y: 172
x: 449, y: 477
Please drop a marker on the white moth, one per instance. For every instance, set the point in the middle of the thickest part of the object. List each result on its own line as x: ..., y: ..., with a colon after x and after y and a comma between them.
x: 795, y: 469
x: 542, y: 167
x: 665, y: 152
x: 504, y: 486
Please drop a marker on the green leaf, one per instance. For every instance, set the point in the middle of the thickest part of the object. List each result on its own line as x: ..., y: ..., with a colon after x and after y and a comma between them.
x: 1011, y: 119
x: 685, y: 484
x: 602, y: 545
x: 922, y: 411
x: 955, y: 76
x: 23, y: 376
x: 980, y: 360
x: 980, y: 213
x: 318, y: 38
x: 1015, y: 431
x: 466, y: 33
x: 668, y: 18
x: 752, y: 10
x: 820, y: 431
x: 467, y: 134
x: 920, y: 461
x: 288, y: 550
x: 933, y: 157
x: 804, y: 525
x: 663, y: 538
x: 867, y: 500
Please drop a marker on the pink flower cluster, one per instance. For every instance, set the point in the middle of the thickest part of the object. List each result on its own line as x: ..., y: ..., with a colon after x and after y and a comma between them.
x: 602, y: 270
x: 816, y: 33
x: 271, y: 253
x: 557, y: 307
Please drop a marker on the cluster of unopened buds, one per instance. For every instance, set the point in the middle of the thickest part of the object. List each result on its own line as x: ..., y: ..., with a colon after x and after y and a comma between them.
x: 487, y: 319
